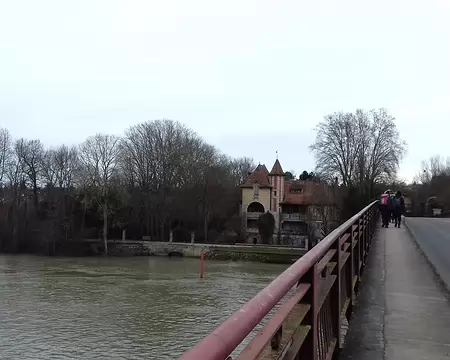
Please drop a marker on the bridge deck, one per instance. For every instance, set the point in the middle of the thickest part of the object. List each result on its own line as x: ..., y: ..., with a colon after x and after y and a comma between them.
x: 403, y: 310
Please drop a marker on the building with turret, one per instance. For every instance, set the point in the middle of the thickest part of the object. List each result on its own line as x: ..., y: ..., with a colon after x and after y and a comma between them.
x: 303, y: 209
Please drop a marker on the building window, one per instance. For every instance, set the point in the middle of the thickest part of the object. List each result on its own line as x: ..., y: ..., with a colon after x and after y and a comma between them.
x: 296, y: 191
x: 274, y: 193
x: 293, y: 209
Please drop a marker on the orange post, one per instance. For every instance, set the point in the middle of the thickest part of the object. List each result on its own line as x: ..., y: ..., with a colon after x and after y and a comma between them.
x: 202, y: 265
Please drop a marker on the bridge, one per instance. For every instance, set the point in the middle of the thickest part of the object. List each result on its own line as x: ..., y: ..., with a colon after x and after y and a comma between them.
x: 364, y: 292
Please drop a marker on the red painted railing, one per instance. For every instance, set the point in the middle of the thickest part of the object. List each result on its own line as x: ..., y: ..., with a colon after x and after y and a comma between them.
x: 306, y: 325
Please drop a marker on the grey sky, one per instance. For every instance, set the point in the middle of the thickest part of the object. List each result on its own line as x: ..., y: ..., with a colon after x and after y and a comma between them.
x: 251, y: 77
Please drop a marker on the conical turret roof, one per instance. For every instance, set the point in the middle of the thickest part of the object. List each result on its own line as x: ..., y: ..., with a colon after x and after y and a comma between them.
x: 277, y: 170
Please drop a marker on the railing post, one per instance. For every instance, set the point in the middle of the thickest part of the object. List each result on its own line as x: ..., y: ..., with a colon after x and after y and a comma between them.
x: 368, y: 217
x: 358, y: 255
x: 363, y: 255
x: 364, y: 224
x: 310, y: 349
x: 355, y: 250
x: 371, y: 216
x: 364, y: 232
x: 375, y: 218
x: 350, y: 273
x: 336, y: 303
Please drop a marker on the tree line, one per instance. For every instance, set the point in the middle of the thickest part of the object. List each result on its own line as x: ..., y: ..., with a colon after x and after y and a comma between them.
x: 159, y: 176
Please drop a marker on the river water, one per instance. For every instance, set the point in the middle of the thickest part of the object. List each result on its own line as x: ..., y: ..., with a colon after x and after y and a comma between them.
x: 117, y: 308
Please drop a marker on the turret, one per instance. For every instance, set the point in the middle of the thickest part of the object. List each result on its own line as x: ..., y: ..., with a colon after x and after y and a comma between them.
x: 277, y: 181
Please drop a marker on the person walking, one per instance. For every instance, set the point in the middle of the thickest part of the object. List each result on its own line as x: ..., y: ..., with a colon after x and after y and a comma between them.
x: 391, y: 216
x: 386, y: 208
x: 398, y: 208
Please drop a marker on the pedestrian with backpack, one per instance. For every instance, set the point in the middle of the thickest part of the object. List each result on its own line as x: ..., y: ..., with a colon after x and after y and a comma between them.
x: 398, y: 208
x: 392, y: 217
x: 386, y: 208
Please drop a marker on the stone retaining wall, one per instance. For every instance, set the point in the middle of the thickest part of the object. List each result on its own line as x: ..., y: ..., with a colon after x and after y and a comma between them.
x: 211, y: 251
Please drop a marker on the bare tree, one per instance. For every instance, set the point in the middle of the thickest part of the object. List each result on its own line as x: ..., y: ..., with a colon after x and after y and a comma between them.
x: 15, y: 180
x: 99, y: 156
x: 335, y: 148
x: 326, y: 201
x: 15, y: 177
x: 240, y: 168
x: 211, y: 180
x: 361, y: 149
x: 434, y: 166
x: 5, y: 153
x: 161, y: 156
x: 60, y: 165
x: 30, y: 154
x: 48, y: 168
x: 59, y: 168
x: 385, y: 149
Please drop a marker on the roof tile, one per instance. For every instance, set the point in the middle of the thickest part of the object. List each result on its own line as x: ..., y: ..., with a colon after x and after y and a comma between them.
x: 307, y: 196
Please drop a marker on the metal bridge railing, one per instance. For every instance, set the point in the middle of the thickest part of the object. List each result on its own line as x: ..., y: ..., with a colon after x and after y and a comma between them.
x: 307, y: 325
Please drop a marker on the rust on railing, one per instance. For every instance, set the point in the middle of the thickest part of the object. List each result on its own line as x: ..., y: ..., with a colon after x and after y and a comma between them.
x: 308, y: 323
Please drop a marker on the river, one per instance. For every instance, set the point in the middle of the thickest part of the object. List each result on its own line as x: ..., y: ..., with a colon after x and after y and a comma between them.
x: 117, y: 308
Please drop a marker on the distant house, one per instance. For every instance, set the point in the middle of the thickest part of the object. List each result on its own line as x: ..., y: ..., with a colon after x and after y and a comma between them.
x: 303, y: 209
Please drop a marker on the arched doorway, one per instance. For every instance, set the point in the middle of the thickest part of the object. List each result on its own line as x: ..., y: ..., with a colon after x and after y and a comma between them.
x: 255, y: 207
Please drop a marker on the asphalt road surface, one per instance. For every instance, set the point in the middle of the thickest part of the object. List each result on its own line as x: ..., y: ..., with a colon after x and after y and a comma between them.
x: 433, y: 236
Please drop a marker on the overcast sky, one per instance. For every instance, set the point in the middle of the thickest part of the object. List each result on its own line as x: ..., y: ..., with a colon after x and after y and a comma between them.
x: 251, y: 77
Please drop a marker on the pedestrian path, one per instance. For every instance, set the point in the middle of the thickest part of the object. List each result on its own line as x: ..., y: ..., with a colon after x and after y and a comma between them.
x: 403, y: 311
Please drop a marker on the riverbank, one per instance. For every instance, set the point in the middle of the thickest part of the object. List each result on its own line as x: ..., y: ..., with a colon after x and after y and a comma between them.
x: 238, y: 252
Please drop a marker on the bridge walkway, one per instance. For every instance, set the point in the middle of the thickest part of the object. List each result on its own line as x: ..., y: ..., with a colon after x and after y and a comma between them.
x: 403, y: 310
